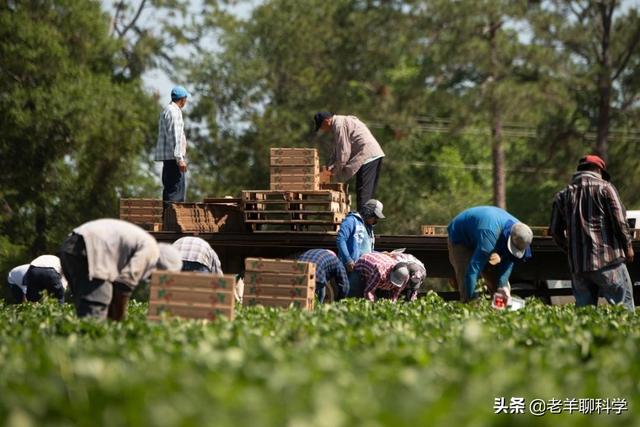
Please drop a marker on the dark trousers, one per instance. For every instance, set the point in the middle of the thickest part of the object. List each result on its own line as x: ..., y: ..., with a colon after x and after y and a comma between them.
x: 38, y: 279
x: 367, y: 181
x: 17, y: 294
x: 91, y: 297
x: 195, y: 267
x: 174, y: 182
x: 356, y: 285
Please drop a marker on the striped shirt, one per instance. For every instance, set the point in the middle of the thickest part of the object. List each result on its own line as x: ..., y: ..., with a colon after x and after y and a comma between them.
x: 328, y: 266
x: 195, y: 249
x: 374, y: 269
x: 588, y: 222
x: 172, y: 143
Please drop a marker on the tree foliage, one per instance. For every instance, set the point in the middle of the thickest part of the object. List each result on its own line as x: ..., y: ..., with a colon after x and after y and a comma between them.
x: 72, y: 131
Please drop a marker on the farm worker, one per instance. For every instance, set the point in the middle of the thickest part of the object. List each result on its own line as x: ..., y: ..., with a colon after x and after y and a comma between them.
x: 105, y: 259
x: 486, y: 241
x: 355, y: 152
x: 417, y: 273
x: 356, y: 237
x: 197, y: 255
x: 15, y: 283
x: 171, y: 148
x: 379, y: 271
x: 588, y: 223
x: 328, y: 267
x: 45, y: 274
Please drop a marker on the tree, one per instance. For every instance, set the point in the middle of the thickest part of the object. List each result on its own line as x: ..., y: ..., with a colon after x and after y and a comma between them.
x: 72, y: 131
x: 601, y: 44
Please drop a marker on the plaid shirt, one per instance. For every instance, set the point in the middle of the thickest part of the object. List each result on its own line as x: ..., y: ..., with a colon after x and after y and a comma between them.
x: 328, y: 266
x: 172, y: 143
x: 589, y: 210
x: 195, y: 249
x: 374, y: 269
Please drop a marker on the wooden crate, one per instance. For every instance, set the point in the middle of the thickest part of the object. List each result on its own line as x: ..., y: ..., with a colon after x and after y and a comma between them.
x: 275, y: 265
x: 279, y: 283
x: 294, y: 210
x: 191, y: 295
x: 324, y: 200
x: 294, y: 169
x: 146, y: 213
x: 294, y: 157
x: 433, y: 230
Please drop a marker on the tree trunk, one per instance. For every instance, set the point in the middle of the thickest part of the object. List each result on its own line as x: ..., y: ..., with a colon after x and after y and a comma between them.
x: 497, y: 153
x: 604, y: 82
x: 497, y: 147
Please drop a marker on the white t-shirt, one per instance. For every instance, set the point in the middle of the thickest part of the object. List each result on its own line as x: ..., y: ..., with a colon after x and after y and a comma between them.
x: 16, y: 275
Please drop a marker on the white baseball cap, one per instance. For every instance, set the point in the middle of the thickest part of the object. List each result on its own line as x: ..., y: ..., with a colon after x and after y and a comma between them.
x: 520, y: 238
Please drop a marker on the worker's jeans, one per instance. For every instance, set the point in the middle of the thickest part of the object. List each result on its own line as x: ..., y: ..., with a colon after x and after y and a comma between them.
x: 174, y: 182
x: 612, y: 283
x: 367, y: 181
x: 38, y: 279
x: 195, y: 267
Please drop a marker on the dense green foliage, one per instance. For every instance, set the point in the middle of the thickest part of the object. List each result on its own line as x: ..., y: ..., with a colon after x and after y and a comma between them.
x: 460, y: 94
x: 351, y: 363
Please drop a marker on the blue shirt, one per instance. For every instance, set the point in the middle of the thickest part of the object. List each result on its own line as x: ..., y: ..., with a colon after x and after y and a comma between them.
x: 484, y: 229
x: 328, y: 266
x: 355, y: 238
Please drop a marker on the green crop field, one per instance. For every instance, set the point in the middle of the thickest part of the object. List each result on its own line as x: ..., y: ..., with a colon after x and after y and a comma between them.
x: 347, y: 364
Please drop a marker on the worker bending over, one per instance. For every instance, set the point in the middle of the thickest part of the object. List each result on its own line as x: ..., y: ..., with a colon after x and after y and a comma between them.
x: 486, y: 241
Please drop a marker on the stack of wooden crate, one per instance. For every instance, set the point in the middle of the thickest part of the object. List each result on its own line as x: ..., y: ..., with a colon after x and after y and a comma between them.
x: 279, y: 283
x: 321, y: 210
x: 191, y: 295
x: 147, y: 213
x: 295, y: 169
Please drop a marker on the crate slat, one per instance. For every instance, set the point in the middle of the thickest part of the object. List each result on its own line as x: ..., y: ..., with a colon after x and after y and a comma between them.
x: 277, y: 279
x: 279, y: 265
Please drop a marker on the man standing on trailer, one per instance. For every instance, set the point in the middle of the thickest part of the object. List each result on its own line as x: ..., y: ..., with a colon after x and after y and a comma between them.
x: 356, y: 152
x: 171, y: 148
x: 589, y: 224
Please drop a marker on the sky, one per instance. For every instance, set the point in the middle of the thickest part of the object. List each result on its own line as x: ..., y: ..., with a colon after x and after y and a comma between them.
x: 156, y: 80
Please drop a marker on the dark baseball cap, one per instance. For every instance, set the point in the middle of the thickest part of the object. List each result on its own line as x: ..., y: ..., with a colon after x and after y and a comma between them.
x: 320, y: 117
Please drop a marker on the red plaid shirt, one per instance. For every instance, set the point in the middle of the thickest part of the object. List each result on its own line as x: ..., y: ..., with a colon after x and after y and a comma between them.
x: 374, y: 269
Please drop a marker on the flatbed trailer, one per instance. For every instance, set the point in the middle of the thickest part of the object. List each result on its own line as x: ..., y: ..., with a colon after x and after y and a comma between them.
x: 548, y: 262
